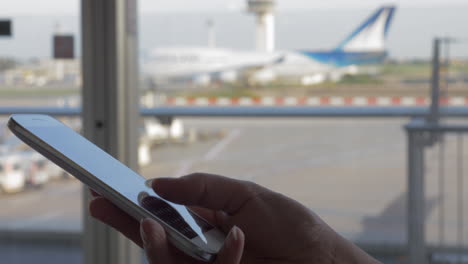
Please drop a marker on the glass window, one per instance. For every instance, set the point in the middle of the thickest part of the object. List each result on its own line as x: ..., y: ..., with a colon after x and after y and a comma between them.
x: 40, y: 62
x: 351, y: 171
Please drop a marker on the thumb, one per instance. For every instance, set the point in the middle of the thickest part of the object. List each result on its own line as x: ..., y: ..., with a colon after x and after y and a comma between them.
x: 154, y: 242
x: 231, y: 253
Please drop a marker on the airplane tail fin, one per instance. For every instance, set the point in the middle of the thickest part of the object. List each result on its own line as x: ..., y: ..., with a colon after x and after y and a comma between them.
x: 371, y: 35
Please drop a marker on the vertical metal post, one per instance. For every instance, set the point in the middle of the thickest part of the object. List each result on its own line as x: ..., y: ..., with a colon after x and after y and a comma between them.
x: 416, y: 198
x: 435, y: 94
x: 460, y: 195
x: 441, y: 189
x: 110, y: 108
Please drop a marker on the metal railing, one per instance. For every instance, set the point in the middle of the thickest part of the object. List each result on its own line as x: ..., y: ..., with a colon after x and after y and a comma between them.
x: 260, y: 111
x: 423, y: 134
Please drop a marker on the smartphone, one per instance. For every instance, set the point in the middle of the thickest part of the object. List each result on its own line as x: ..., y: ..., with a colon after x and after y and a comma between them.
x: 118, y: 183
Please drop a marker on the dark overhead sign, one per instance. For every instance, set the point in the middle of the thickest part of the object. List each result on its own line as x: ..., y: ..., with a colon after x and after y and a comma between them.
x: 5, y: 27
x: 64, y: 47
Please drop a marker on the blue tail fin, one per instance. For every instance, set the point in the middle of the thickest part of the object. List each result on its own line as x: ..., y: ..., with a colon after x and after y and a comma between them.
x: 371, y: 35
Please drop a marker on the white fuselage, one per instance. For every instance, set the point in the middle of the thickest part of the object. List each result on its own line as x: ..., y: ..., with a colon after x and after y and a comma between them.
x: 192, y: 64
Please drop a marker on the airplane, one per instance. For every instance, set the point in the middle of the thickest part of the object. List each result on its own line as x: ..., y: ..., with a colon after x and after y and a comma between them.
x: 203, y: 66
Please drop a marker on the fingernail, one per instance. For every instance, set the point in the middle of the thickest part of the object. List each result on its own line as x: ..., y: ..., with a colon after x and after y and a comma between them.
x: 149, y: 183
x: 233, y: 236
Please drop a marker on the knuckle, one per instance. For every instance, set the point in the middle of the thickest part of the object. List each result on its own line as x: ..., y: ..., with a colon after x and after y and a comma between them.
x: 251, y: 188
x: 257, y: 193
x: 189, y: 179
x: 194, y: 176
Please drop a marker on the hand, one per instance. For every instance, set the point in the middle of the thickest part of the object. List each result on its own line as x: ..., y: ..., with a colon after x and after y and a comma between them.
x: 277, y: 228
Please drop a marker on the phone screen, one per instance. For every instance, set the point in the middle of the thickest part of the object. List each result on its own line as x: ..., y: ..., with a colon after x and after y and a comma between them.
x: 168, y: 214
x: 114, y: 174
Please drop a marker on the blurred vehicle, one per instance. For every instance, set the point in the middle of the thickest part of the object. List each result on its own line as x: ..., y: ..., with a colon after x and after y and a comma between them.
x: 154, y: 130
x: 12, y: 176
x: 202, y: 66
x: 35, y: 168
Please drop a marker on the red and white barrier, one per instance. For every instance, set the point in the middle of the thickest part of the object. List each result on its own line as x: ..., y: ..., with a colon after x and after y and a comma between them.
x: 312, y: 101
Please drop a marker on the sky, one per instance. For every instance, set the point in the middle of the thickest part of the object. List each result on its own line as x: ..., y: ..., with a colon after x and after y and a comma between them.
x: 429, y: 18
x: 36, y: 7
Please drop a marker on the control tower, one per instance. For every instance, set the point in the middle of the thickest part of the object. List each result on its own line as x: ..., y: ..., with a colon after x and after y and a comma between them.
x: 265, y: 32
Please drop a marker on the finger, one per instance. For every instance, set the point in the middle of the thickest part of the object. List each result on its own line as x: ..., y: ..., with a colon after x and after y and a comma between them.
x: 103, y: 210
x: 207, y: 214
x: 205, y: 190
x: 155, y: 243
x: 233, y: 248
x: 215, y: 218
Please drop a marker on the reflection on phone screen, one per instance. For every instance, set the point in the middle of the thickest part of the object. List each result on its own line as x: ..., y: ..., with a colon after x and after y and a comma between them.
x: 173, y: 218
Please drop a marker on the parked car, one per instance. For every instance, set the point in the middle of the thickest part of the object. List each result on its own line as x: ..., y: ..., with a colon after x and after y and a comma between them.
x: 12, y: 176
x: 154, y: 130
x: 35, y: 168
